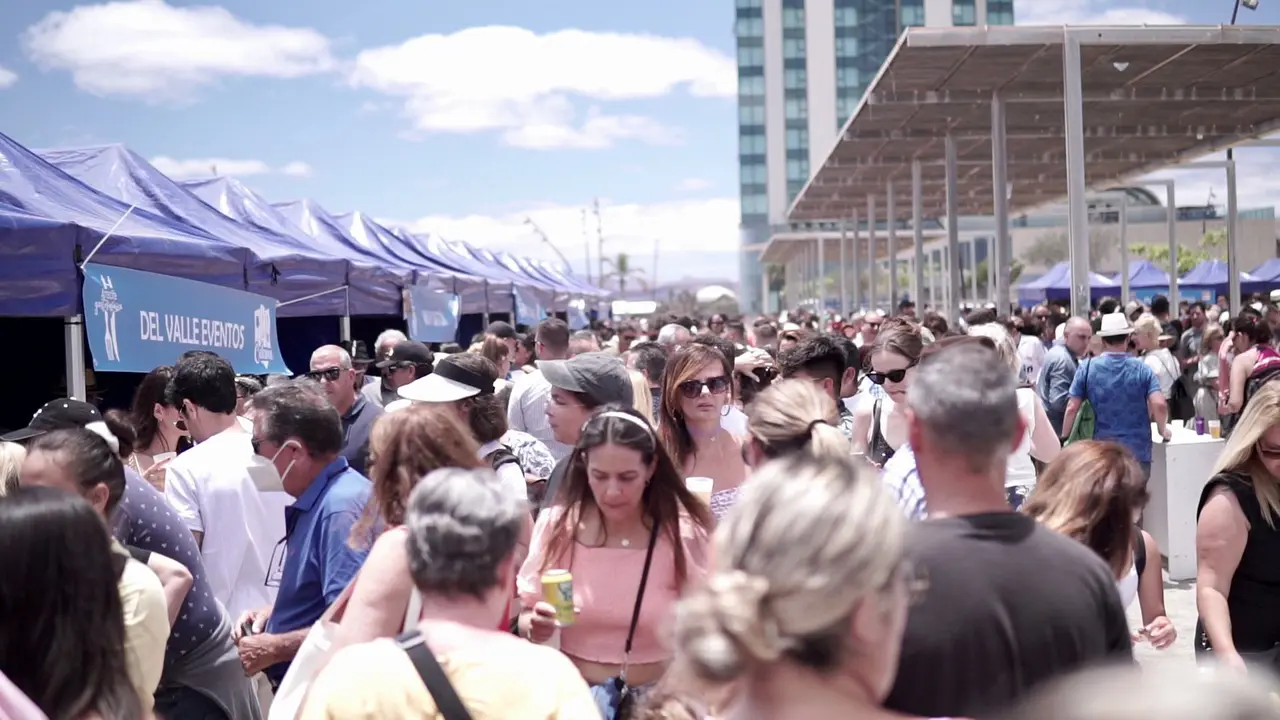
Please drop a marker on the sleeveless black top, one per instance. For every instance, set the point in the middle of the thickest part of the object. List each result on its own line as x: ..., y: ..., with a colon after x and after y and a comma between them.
x: 1254, y: 598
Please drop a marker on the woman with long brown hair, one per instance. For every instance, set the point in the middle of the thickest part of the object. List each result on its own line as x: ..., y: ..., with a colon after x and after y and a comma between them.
x: 1094, y: 492
x: 880, y: 422
x: 633, y: 538
x: 697, y: 392
x: 404, y: 447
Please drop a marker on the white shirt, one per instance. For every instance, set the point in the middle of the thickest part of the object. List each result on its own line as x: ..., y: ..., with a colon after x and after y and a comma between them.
x: 1166, y: 368
x: 1020, y: 471
x: 1031, y: 353
x: 528, y: 412
x: 210, y: 488
x: 735, y: 422
x: 511, y: 474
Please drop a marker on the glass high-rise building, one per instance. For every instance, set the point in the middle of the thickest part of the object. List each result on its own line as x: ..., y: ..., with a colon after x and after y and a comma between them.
x: 803, y: 65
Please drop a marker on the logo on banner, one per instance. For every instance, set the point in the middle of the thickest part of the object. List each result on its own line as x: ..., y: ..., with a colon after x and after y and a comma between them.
x: 109, y: 305
x: 262, y: 350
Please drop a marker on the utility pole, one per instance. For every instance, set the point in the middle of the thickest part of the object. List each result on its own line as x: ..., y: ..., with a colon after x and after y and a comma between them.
x: 595, y: 206
x: 586, y: 247
x: 653, y: 280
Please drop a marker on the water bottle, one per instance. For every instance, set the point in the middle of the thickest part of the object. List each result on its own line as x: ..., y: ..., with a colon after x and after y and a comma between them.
x: 1199, y: 425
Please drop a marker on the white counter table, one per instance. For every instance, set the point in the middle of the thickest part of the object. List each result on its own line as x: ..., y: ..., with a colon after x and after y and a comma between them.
x: 1179, y: 471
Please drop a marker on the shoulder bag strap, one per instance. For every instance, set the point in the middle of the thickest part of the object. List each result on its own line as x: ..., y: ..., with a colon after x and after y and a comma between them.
x: 635, y: 613
x: 424, y: 661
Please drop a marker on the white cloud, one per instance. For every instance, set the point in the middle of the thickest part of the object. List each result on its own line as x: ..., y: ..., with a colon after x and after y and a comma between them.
x: 694, y: 184
x: 523, y: 85
x: 296, y: 169
x: 1257, y: 184
x: 1089, y: 12
x: 7, y: 78
x: 206, y: 167
x: 150, y: 49
x: 697, y: 238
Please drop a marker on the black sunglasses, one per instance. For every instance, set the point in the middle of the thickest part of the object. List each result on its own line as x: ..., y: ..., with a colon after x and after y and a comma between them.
x: 256, y: 442
x: 331, y: 374
x: 718, y: 385
x: 895, y: 376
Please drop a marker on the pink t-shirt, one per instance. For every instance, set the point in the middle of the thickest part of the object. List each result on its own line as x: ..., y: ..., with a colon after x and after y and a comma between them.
x: 605, y: 582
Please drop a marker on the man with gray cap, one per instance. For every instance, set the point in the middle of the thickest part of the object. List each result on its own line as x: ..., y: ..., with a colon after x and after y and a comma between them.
x: 579, y: 386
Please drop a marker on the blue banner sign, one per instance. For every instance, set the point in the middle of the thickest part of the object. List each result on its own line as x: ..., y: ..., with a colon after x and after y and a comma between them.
x: 432, y: 315
x: 529, y: 310
x: 136, y: 321
x: 577, y: 315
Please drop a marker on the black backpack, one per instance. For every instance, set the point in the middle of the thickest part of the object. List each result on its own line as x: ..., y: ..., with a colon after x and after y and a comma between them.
x: 502, y: 456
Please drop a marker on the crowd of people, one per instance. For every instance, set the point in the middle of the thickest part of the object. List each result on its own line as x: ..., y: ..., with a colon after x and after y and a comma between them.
x: 803, y: 516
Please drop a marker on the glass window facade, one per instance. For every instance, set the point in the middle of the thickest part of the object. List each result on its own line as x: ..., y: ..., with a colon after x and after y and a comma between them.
x: 753, y: 176
x: 963, y: 12
x: 999, y: 12
x: 912, y: 12
x: 865, y: 33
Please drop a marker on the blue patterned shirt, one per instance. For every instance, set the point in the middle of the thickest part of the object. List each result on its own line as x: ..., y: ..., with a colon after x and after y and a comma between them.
x: 1118, y: 387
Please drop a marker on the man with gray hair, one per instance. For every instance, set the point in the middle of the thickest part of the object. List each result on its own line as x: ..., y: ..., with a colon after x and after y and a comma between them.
x: 1009, y: 604
x: 379, y: 390
x: 674, y: 336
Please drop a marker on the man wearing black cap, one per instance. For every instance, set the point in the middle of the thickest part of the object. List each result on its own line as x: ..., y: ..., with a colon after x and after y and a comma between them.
x: 579, y: 386
x: 407, y: 361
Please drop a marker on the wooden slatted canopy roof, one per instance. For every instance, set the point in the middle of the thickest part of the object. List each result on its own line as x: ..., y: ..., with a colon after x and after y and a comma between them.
x: 1153, y: 97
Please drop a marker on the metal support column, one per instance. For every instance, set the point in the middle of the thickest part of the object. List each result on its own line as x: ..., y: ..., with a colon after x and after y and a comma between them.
x: 991, y: 277
x: 953, y: 233
x: 821, y: 242
x: 973, y: 270
x: 1078, y: 210
x: 73, y: 337
x: 844, y: 271
x: 1124, y: 247
x: 857, y: 267
x: 917, y: 236
x: 1002, y: 259
x: 871, y: 253
x: 1171, y: 223
x: 891, y: 226
x: 1233, y: 240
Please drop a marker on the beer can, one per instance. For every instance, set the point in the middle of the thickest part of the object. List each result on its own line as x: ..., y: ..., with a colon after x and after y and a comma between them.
x: 557, y: 590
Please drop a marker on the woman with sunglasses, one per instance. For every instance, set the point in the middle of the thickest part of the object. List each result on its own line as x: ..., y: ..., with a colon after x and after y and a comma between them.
x: 633, y: 538
x: 1237, y: 541
x: 697, y: 392
x: 880, y: 423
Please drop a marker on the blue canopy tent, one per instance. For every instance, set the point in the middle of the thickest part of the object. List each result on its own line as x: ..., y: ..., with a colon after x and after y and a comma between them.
x: 1145, y: 280
x: 297, y: 272
x: 1056, y: 284
x: 583, y: 288
x: 517, y: 265
x: 469, y: 288
x: 29, y: 274
x: 1268, y: 272
x: 374, y: 288
x: 137, y: 239
x: 497, y: 287
x: 1208, y: 280
x: 545, y: 289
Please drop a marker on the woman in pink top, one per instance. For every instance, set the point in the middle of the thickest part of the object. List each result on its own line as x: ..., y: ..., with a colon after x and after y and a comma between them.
x: 621, y: 493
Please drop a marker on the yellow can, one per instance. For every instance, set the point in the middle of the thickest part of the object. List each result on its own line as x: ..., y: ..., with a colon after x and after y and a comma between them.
x: 557, y: 590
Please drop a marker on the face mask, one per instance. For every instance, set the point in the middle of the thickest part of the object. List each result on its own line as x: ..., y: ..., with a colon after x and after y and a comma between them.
x: 264, y: 474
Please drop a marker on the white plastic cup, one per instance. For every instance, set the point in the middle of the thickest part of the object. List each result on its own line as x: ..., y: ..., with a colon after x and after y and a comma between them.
x: 701, y: 487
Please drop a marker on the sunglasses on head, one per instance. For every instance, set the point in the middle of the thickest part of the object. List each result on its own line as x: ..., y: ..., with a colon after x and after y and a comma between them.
x: 895, y: 376
x: 718, y: 385
x: 331, y: 374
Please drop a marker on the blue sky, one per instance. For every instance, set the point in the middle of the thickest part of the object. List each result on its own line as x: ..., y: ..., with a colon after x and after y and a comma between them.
x: 461, y: 118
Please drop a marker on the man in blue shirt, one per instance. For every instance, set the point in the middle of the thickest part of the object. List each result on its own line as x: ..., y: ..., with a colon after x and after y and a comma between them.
x: 300, y: 433
x: 1124, y: 392
x: 1059, y: 369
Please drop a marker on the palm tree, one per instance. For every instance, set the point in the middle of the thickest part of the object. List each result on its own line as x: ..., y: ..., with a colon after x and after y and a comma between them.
x: 621, y: 272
